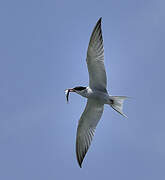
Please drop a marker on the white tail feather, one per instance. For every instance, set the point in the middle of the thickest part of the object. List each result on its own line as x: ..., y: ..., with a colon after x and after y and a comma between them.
x: 117, y: 103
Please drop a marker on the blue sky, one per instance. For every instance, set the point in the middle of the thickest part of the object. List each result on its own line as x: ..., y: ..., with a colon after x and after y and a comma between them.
x: 43, y: 50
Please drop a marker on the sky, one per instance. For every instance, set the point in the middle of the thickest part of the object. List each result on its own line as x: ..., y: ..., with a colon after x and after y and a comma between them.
x: 43, y: 50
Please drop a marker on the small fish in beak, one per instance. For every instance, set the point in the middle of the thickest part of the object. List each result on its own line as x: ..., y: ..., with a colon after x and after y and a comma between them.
x: 67, y: 91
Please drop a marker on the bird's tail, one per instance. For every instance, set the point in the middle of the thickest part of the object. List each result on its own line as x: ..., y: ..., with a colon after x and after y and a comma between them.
x: 117, y: 103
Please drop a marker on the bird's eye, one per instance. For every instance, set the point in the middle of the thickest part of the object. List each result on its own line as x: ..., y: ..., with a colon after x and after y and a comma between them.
x: 79, y: 88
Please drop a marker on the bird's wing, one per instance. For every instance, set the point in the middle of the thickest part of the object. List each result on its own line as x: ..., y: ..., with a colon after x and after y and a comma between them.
x: 86, y: 127
x: 95, y: 59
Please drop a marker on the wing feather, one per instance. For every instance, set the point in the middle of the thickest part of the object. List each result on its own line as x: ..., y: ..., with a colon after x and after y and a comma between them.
x: 95, y: 59
x: 86, y: 128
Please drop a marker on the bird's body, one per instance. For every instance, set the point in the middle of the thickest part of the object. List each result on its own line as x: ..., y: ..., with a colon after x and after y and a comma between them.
x: 96, y: 93
x: 99, y: 95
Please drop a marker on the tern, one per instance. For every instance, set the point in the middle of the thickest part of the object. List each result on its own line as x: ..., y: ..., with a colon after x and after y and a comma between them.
x: 96, y: 94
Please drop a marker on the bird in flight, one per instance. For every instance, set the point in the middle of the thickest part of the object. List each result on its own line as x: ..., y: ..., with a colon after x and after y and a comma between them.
x: 96, y: 94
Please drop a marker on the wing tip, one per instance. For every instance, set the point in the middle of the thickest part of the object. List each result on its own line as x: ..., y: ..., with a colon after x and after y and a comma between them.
x: 99, y: 21
x: 79, y: 161
x: 80, y: 164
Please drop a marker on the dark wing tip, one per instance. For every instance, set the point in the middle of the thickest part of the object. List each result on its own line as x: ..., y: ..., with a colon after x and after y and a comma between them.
x: 80, y: 158
x: 99, y: 22
x: 80, y: 155
x: 96, y: 29
x: 80, y: 161
x: 80, y: 164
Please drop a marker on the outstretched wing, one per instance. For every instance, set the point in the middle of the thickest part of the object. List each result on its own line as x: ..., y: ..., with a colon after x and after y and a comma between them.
x: 86, y: 127
x: 95, y: 59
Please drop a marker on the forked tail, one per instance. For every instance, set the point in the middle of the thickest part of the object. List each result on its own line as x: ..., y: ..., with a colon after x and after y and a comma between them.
x: 117, y: 103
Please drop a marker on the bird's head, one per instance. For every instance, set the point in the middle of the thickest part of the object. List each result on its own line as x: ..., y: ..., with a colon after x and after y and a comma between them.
x: 78, y: 89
